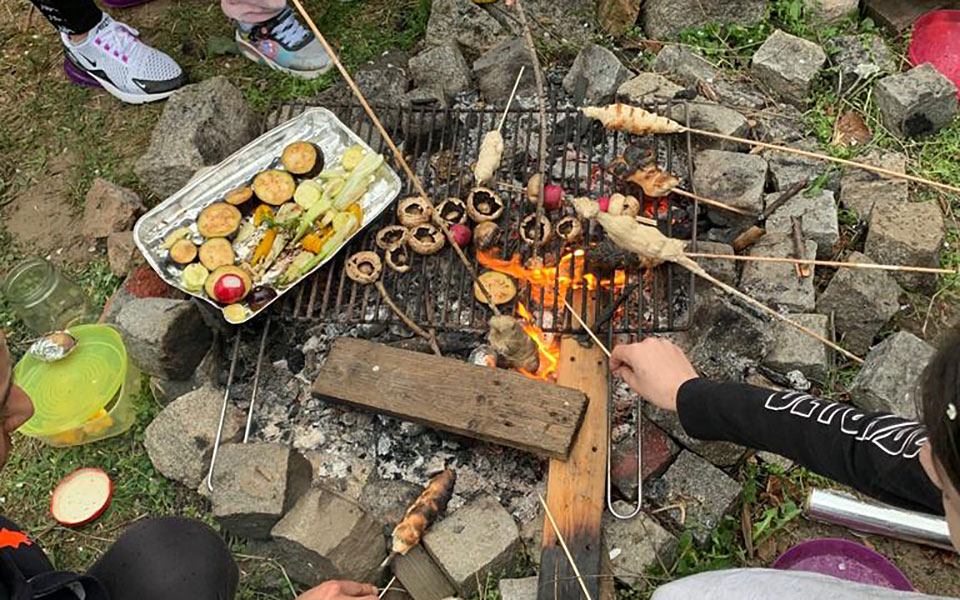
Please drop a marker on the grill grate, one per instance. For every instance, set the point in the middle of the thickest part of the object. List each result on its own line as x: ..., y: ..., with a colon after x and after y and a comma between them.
x: 441, y: 145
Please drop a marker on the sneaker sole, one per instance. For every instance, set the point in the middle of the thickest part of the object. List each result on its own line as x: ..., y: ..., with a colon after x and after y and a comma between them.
x: 253, y: 54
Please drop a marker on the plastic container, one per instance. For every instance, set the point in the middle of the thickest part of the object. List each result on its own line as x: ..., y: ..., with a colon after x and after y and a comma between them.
x: 44, y: 299
x: 84, y: 397
x: 936, y: 40
x: 846, y: 560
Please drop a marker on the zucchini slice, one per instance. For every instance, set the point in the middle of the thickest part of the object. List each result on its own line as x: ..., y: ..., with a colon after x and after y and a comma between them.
x: 238, y: 196
x: 183, y: 252
x: 216, y: 253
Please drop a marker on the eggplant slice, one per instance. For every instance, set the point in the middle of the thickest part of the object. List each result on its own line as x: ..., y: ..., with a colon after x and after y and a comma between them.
x: 303, y: 159
x: 218, y: 220
x: 274, y: 187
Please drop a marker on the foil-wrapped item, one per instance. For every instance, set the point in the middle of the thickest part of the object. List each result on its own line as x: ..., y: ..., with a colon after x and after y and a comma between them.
x: 53, y: 346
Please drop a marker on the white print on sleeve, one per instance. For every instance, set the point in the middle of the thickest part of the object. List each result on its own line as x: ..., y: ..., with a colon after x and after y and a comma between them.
x: 894, y: 435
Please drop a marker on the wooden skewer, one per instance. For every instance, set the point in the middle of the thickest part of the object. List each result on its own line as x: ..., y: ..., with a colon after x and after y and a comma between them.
x: 563, y: 544
x: 586, y: 328
x: 824, y: 263
x: 387, y: 589
x: 818, y: 156
x: 715, y: 203
x: 396, y: 152
x: 513, y: 93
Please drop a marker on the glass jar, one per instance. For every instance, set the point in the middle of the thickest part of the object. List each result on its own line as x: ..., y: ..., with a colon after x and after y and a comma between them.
x: 43, y: 298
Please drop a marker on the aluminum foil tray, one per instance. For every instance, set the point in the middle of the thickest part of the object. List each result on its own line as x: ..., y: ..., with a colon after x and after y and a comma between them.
x: 317, y: 125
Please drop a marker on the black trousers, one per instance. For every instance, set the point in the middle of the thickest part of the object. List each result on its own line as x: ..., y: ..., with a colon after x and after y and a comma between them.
x: 70, y: 16
x: 160, y: 559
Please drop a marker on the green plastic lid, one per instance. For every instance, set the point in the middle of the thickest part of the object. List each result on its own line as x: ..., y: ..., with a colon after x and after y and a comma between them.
x: 66, y: 393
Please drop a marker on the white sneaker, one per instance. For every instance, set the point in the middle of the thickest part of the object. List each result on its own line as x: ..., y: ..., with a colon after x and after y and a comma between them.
x: 114, y: 56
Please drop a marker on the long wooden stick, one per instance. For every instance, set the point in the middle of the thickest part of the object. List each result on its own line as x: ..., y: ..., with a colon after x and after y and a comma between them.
x: 396, y: 153
x: 387, y: 589
x: 818, y: 156
x: 586, y: 328
x: 824, y: 263
x: 513, y: 93
x: 432, y: 340
x: 715, y: 203
x: 563, y: 544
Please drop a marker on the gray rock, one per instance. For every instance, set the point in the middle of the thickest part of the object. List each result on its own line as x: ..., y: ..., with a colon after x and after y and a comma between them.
x: 782, y: 124
x: 180, y: 439
x: 384, y: 80
x: 916, y: 103
x: 122, y: 253
x: 441, y: 68
x: 166, y: 391
x: 109, y: 208
x: 731, y: 177
x: 831, y: 11
x: 201, y: 125
x: 328, y: 536
x: 724, y: 270
x: 465, y: 23
x: 164, y: 337
x: 664, y: 19
x: 531, y: 534
x: 740, y: 95
x: 860, y: 190
x: 787, y: 65
x: 781, y: 461
x: 387, y: 500
x: 683, y: 66
x: 601, y: 73
x: 347, y: 476
x: 496, y: 71
x: 707, y: 493
x: 777, y: 284
x: 788, y: 169
x: 519, y: 589
x: 907, y: 234
x: 729, y: 341
x: 637, y: 544
x: 494, y: 543
x: 567, y: 21
x: 430, y: 101
x: 857, y: 58
x: 861, y: 302
x: 255, y: 484
x: 722, y: 454
x: 890, y: 375
x: 793, y: 350
x: 711, y: 117
x: 819, y: 215
x: 648, y: 88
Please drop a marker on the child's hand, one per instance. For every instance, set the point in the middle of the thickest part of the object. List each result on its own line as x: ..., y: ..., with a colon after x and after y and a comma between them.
x: 654, y: 369
x: 341, y: 590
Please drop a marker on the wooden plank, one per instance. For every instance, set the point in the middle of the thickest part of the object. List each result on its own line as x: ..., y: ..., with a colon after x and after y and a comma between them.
x: 421, y: 578
x: 899, y: 15
x: 576, y: 492
x: 492, y: 405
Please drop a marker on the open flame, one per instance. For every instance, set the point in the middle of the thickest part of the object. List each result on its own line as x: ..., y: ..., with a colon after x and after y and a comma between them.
x: 547, y: 284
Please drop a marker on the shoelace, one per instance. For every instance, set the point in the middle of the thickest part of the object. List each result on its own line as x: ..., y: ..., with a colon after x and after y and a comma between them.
x: 119, y: 40
x: 289, y: 31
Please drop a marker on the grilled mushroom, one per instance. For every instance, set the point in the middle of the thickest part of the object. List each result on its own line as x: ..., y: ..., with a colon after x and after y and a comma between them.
x: 624, y: 205
x: 533, y: 234
x: 485, y: 234
x: 426, y: 239
x: 483, y: 204
x: 364, y: 267
x: 451, y: 211
x: 570, y: 229
x: 399, y: 259
x: 391, y: 235
x: 414, y: 211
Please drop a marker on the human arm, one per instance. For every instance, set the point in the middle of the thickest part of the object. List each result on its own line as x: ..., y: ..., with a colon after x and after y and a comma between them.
x: 876, y: 453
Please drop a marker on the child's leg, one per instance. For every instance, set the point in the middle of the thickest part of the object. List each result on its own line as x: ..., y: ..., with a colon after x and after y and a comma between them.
x: 269, y: 32
x: 73, y: 17
x: 252, y: 11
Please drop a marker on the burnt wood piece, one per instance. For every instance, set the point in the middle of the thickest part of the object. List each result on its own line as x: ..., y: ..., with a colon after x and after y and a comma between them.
x: 421, y: 578
x: 899, y: 15
x: 752, y: 234
x: 492, y: 405
x: 799, y: 246
x: 576, y: 488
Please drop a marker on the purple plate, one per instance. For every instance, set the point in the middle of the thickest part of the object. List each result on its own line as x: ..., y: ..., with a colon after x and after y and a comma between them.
x: 846, y: 560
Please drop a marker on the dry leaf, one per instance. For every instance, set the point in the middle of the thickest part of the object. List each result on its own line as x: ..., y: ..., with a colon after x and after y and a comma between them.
x: 851, y: 130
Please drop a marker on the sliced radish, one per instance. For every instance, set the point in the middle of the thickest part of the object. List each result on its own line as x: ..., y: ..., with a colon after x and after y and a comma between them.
x: 81, y: 497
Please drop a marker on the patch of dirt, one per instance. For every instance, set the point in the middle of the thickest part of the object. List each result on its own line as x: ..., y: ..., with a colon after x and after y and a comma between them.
x: 42, y: 220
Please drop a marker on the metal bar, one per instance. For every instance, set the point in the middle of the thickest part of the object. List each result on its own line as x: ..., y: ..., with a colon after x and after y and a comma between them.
x: 223, y: 410
x: 256, y: 378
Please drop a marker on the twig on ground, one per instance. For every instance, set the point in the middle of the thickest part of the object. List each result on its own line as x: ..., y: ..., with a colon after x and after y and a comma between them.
x: 274, y: 563
x: 406, y: 319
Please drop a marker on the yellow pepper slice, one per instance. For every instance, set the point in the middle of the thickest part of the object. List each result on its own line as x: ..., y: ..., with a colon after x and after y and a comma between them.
x: 264, y: 247
x: 356, y: 211
x: 262, y: 213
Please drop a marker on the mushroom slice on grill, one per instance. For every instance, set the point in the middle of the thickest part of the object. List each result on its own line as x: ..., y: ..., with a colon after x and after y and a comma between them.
x: 391, y: 235
x: 485, y: 234
x: 399, y: 258
x: 414, y: 211
x: 483, y: 204
x: 534, y: 234
x: 451, y: 211
x: 364, y: 267
x: 426, y: 239
x: 570, y: 229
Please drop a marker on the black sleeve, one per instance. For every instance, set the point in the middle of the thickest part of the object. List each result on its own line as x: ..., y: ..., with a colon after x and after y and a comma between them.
x: 875, y: 453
